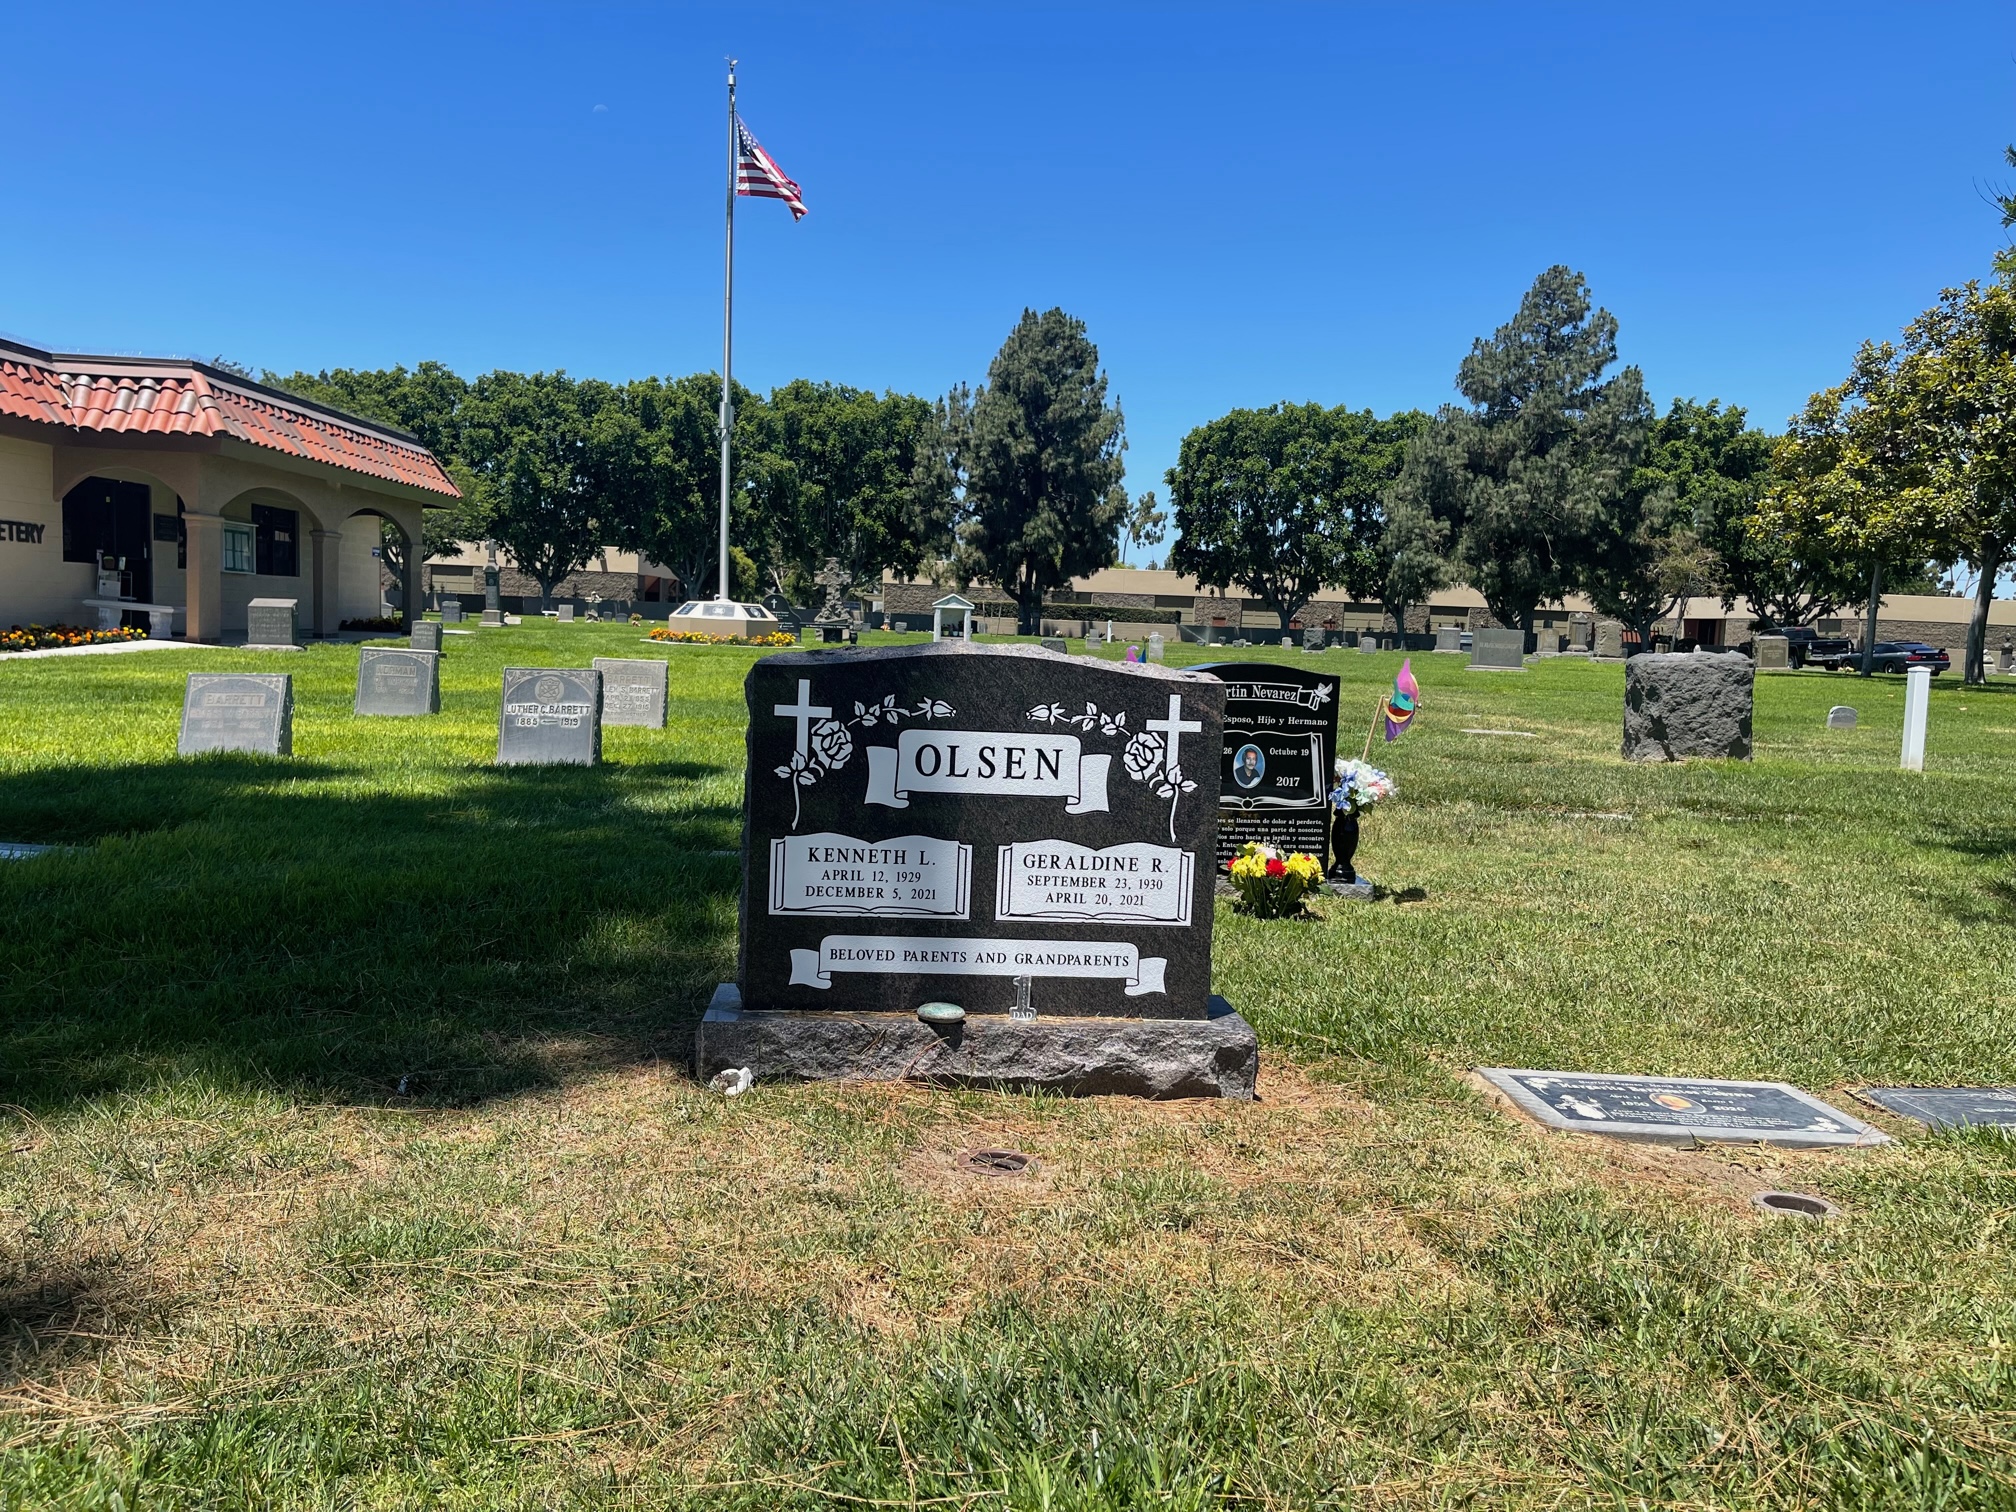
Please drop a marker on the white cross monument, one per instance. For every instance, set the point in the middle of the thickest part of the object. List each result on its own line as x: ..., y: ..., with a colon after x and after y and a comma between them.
x: 1175, y: 727
x: 804, y: 711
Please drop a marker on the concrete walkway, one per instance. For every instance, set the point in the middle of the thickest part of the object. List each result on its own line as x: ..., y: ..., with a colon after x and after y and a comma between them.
x: 109, y: 648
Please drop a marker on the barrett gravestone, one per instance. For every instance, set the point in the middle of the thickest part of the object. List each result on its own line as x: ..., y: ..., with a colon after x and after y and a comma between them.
x: 1688, y: 703
x: 552, y: 716
x: 1498, y: 650
x: 633, y: 690
x: 930, y: 822
x: 391, y: 681
x: 1280, y: 741
x: 237, y: 711
x: 1681, y: 1110
x: 272, y: 622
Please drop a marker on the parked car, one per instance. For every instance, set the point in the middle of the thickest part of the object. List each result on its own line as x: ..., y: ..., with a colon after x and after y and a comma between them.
x: 1901, y: 656
x: 1830, y: 652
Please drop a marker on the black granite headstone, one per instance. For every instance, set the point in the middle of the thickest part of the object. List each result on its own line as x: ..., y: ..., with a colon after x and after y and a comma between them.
x: 930, y: 822
x: 1280, y: 741
x: 391, y: 681
x: 238, y: 711
x: 1681, y: 1110
x: 633, y: 690
x: 552, y: 716
x: 1949, y: 1107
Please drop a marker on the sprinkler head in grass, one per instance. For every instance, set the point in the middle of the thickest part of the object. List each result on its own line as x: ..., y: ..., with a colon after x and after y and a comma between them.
x: 1795, y: 1204
x: 942, y: 1013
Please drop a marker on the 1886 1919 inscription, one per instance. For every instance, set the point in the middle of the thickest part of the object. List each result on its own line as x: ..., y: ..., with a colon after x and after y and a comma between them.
x: 933, y: 822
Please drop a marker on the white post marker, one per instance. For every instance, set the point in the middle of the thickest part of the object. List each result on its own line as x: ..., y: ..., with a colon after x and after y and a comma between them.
x: 1917, y: 694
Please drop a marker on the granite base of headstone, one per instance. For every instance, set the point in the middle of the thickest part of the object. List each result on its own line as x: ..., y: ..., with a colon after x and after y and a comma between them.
x: 1948, y: 1107
x: 1215, y: 1056
x: 1497, y: 651
x: 273, y: 624
x: 633, y: 690
x: 1609, y: 641
x: 251, y: 712
x: 1681, y: 1110
x: 551, y: 716
x: 1774, y: 653
x: 425, y: 635
x: 1679, y: 704
x: 1360, y: 891
x: 398, y: 682
x: 493, y: 619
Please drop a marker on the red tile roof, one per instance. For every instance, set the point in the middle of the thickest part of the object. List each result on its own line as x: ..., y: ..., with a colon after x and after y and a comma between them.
x: 138, y: 395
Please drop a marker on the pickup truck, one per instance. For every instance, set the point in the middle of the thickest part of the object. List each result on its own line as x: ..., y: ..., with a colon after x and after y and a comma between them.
x: 1829, y: 652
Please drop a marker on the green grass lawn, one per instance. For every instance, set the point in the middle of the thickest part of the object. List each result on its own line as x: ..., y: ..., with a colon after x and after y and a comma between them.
x: 348, y: 1159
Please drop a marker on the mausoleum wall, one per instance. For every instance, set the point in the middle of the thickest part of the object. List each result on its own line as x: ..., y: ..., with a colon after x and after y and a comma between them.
x: 36, y: 585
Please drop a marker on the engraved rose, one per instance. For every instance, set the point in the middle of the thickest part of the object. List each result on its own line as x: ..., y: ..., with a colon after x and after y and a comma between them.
x: 831, y: 744
x: 1144, y: 755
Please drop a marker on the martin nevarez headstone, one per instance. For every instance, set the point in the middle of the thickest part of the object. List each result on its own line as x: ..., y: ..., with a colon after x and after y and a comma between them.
x: 237, y: 711
x: 552, y: 716
x: 393, y: 681
x: 1498, y: 650
x: 1681, y: 1110
x: 425, y: 635
x: 1280, y: 741
x: 930, y: 822
x: 633, y: 690
x: 272, y: 622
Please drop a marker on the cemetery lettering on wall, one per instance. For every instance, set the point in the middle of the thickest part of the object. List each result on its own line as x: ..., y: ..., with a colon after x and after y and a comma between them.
x: 935, y: 821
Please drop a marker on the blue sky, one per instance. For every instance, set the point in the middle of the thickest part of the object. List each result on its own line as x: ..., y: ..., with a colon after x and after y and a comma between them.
x: 1245, y: 204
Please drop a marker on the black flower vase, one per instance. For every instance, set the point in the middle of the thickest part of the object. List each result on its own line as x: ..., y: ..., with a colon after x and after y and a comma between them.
x: 1343, y: 845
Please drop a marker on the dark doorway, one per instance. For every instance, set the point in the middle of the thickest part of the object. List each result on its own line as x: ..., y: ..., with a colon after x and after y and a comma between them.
x: 105, y: 520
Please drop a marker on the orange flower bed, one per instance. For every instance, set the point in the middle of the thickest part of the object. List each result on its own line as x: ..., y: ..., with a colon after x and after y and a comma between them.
x: 701, y: 638
x: 49, y: 637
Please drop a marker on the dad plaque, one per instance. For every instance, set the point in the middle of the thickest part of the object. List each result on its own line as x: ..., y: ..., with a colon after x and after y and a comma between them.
x: 238, y: 711
x: 1681, y: 1110
x: 552, y: 716
x: 931, y: 822
x: 1280, y: 743
x: 633, y: 690
x: 391, y: 681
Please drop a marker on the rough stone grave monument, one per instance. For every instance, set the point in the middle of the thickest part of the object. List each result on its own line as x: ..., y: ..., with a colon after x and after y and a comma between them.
x: 935, y: 832
x: 1681, y: 1110
x: 1609, y: 641
x: 1948, y: 1107
x: 1688, y: 703
x: 273, y: 624
x: 633, y: 690
x: 551, y: 716
x: 425, y: 635
x: 1497, y: 651
x: 237, y: 711
x: 1774, y: 653
x: 394, y: 681
x: 1449, y: 638
x: 1280, y: 741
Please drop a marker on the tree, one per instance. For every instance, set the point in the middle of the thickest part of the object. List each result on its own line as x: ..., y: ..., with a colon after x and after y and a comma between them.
x: 1145, y: 525
x: 526, y: 438
x: 1521, y: 477
x: 1914, y: 457
x: 1284, y: 500
x: 1040, y: 464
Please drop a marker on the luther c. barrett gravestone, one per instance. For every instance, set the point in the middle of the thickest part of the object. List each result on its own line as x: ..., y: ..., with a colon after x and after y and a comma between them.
x: 238, y: 711
x: 1280, y: 741
x: 552, y: 716
x: 633, y: 690
x: 931, y: 822
x: 392, y: 681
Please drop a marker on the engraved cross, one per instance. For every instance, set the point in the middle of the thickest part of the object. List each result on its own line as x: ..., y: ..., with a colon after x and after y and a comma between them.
x: 805, y: 711
x: 1175, y: 727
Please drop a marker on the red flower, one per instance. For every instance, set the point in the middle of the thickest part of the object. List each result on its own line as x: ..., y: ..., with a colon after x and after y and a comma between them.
x: 1276, y: 869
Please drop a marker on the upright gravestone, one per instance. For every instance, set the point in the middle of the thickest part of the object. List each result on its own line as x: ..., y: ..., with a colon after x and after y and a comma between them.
x: 565, y: 614
x: 1688, y: 703
x: 1579, y: 629
x: 451, y: 613
x: 1155, y: 646
x: 425, y: 635
x: 493, y: 619
x: 633, y: 690
x: 552, y: 716
x: 237, y: 711
x: 1841, y: 717
x: 1367, y: 641
x: 1449, y: 638
x: 393, y: 681
x: 930, y: 823
x: 1609, y: 641
x: 1497, y: 650
x: 1312, y: 640
x: 272, y: 623
x: 1774, y: 653
x: 1056, y: 643
x: 2006, y: 661
x: 1280, y: 741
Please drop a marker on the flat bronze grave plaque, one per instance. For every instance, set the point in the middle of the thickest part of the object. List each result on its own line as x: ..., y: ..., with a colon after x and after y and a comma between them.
x: 1681, y: 1110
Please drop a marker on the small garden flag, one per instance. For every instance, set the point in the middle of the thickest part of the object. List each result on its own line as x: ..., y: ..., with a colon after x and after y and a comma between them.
x: 1401, y: 701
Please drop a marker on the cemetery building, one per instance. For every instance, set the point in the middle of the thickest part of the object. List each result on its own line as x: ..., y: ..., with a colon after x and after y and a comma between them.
x: 169, y: 494
x: 616, y: 580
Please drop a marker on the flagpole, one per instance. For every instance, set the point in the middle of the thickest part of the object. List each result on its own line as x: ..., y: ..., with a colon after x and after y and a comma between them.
x: 728, y: 338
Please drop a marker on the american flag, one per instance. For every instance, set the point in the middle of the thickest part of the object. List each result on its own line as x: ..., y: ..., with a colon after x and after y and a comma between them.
x: 757, y: 173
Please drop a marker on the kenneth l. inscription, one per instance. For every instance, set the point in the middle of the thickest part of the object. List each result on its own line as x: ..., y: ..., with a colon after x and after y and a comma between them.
x: 903, y: 877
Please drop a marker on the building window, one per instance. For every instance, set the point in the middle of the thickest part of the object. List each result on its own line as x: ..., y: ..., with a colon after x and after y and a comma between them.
x: 276, y: 552
x: 238, y: 552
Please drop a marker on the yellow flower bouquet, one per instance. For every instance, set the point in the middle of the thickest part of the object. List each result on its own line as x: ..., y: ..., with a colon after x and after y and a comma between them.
x: 1271, y: 885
